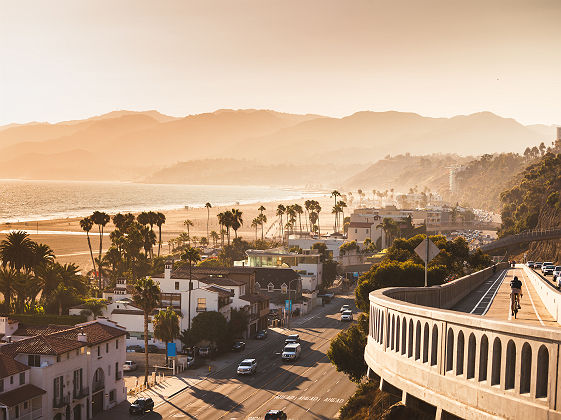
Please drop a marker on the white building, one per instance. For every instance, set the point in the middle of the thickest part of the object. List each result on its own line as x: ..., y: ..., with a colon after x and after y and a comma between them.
x: 332, y: 243
x: 63, y: 373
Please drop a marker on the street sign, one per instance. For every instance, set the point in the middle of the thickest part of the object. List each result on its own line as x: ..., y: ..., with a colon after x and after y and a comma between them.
x: 288, y: 305
x: 421, y: 250
x: 172, y: 351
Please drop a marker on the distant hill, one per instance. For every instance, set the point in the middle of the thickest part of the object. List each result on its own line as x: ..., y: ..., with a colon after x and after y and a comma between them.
x: 137, y: 142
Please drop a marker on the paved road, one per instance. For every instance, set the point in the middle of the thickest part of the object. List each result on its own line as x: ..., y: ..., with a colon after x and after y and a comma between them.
x: 310, y: 388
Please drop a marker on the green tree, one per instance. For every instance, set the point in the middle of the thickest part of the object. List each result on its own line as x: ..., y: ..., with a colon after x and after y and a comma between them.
x: 94, y: 306
x: 214, y: 237
x: 146, y: 296
x: 16, y: 251
x: 281, y: 209
x: 237, y: 220
x: 8, y: 277
x: 239, y: 321
x: 210, y: 326
x: 166, y: 326
x: 100, y: 219
x: 160, y: 220
x: 86, y: 224
x: 191, y: 256
x: 188, y: 224
x: 346, y: 350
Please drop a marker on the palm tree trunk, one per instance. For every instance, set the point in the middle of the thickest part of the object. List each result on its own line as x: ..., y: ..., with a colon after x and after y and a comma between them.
x: 190, y: 287
x: 99, y: 256
x: 159, y: 239
x: 207, y: 221
x: 145, y: 348
x: 91, y: 252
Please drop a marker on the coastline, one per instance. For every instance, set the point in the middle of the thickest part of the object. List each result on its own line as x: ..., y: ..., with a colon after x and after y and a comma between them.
x: 70, y: 245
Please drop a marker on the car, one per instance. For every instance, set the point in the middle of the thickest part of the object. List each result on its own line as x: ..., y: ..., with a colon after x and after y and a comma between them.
x: 291, y: 352
x: 247, y: 367
x: 275, y: 415
x: 238, y: 346
x: 530, y: 264
x: 207, y: 351
x: 548, y: 270
x: 537, y: 265
x: 557, y: 272
x: 191, y: 362
x: 292, y: 338
x: 345, y: 308
x: 152, y: 348
x: 261, y: 335
x: 129, y: 365
x: 545, y: 264
x: 141, y: 405
x: 135, y: 349
x: 347, y: 316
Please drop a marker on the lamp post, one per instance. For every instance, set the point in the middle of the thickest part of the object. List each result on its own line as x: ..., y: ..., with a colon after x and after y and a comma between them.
x: 290, y: 309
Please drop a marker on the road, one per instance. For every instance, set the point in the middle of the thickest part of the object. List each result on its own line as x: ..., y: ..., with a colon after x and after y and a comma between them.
x: 309, y: 388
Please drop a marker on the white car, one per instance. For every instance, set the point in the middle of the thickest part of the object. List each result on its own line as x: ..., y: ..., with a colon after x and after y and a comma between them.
x: 129, y: 365
x: 347, y: 316
x: 247, y: 367
x: 291, y: 352
x: 557, y: 273
x: 545, y: 264
x: 345, y: 308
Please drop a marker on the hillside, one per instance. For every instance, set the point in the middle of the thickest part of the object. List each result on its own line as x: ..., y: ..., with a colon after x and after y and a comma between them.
x: 140, y: 142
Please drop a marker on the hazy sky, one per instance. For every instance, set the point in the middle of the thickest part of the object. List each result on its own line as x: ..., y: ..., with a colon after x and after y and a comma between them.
x: 63, y: 60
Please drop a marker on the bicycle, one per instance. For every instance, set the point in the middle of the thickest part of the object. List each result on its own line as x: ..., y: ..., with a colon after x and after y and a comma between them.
x: 514, y: 303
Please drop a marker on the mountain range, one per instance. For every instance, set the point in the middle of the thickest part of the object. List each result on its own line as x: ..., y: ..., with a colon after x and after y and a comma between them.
x: 148, y: 145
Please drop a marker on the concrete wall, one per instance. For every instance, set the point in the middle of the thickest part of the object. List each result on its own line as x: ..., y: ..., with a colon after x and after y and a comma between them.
x: 466, y: 365
x: 550, y: 296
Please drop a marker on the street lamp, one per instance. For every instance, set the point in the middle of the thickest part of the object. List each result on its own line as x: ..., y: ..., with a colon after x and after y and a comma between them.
x: 290, y: 314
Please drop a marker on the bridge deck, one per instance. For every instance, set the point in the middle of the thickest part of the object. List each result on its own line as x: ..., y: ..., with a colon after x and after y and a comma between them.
x: 492, y: 299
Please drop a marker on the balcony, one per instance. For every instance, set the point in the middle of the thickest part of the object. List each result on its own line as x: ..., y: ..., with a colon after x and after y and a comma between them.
x: 34, y: 414
x: 80, y: 393
x: 61, y: 401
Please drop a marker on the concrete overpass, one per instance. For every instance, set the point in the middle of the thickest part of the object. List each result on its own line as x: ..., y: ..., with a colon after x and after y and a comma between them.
x: 522, y: 238
x: 456, y: 351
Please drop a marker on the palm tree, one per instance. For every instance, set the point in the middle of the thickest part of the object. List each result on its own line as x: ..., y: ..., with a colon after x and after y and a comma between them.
x: 7, y: 280
x: 317, y: 209
x: 188, y: 223
x: 308, y: 204
x: 221, y: 223
x: 208, y: 207
x: 262, y: 220
x: 237, y: 220
x: 214, y: 237
x: 342, y: 206
x: 146, y: 296
x: 335, y: 194
x: 16, y: 251
x: 100, y: 219
x: 95, y: 306
x: 42, y: 254
x: 160, y: 220
x: 191, y: 255
x: 261, y: 209
x: 280, y: 211
x: 335, y: 211
x: 299, y: 210
x: 255, y: 224
x: 166, y: 326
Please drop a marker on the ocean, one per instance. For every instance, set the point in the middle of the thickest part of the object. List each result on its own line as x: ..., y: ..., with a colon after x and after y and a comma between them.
x: 23, y: 200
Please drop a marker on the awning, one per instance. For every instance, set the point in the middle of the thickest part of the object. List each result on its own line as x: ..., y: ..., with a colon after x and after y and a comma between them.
x: 19, y: 395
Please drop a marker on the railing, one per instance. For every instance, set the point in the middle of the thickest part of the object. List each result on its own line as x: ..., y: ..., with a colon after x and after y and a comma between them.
x: 528, y: 236
x: 32, y: 415
x: 466, y: 365
x: 81, y: 393
x: 61, y: 401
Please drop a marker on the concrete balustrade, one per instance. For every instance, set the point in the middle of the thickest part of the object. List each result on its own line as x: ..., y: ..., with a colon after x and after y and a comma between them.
x: 550, y: 296
x: 460, y: 364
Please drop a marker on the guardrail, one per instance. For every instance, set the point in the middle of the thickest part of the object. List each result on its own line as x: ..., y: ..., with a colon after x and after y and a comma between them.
x: 460, y: 364
x: 528, y: 236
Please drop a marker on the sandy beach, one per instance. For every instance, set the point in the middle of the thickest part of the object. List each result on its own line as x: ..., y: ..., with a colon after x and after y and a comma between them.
x: 72, y: 247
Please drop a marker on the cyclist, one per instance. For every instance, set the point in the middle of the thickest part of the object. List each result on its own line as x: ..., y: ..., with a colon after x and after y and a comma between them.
x: 515, y: 293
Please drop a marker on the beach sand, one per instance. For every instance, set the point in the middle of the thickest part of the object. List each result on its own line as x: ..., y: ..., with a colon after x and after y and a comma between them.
x: 74, y: 248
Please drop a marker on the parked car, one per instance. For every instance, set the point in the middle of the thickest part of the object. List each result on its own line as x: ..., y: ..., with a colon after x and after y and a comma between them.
x: 548, y: 270
x: 129, y: 365
x: 207, y: 351
x: 238, y: 346
x: 261, y: 335
x: 275, y: 415
x: 135, y: 348
x: 191, y: 362
x: 347, y: 316
x: 292, y: 338
x: 345, y: 308
x: 247, y: 367
x: 530, y: 264
x: 141, y: 405
x: 291, y: 352
x: 557, y: 273
x: 152, y: 348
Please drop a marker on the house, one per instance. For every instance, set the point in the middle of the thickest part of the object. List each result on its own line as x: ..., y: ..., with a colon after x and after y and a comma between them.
x: 70, y: 373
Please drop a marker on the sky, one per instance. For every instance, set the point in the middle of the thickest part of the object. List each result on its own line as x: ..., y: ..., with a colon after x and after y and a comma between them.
x: 63, y: 60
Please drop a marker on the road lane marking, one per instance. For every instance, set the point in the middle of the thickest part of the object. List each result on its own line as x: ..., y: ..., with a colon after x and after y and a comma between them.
x: 532, y: 300
x: 501, y: 278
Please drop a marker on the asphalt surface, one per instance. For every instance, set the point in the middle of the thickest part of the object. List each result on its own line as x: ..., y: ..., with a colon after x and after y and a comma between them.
x: 309, y: 388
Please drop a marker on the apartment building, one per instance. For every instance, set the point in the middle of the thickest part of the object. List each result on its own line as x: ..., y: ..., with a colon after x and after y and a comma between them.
x: 69, y: 373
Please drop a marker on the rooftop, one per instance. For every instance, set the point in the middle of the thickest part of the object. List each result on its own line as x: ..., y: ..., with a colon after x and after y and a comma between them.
x: 21, y: 394
x: 9, y: 366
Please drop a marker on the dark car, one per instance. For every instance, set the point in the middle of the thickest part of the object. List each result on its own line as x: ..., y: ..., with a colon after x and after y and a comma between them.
x: 261, y: 335
x: 135, y: 348
x: 207, y: 351
x: 141, y: 405
x: 275, y: 415
x: 238, y: 346
x: 152, y: 348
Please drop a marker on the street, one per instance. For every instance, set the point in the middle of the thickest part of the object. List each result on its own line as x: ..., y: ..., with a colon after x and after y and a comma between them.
x: 308, y: 388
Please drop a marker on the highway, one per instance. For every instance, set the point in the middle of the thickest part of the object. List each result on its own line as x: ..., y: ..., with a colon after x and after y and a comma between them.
x: 309, y: 388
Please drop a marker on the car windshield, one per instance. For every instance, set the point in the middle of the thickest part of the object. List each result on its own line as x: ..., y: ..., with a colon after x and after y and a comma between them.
x: 140, y: 401
x: 245, y: 364
x: 289, y: 350
x: 557, y: 268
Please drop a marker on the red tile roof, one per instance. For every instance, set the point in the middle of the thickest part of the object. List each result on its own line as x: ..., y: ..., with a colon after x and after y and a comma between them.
x: 96, y: 332
x: 41, y: 344
x: 21, y: 394
x: 9, y: 366
x: 33, y: 330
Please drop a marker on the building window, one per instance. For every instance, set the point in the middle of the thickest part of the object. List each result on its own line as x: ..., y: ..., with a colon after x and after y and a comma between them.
x: 2, y: 385
x: 17, y: 411
x: 176, y: 285
x: 34, y: 360
x: 270, y: 287
x: 201, y: 304
x: 106, y: 347
x: 77, y: 381
x: 128, y: 335
x: 117, y: 343
x: 25, y: 405
x: 58, y: 358
x: 356, y: 230
x: 57, y: 385
x: 22, y: 378
x: 112, y: 395
x: 98, y: 351
x: 367, y: 230
x: 284, y: 289
x: 11, y: 380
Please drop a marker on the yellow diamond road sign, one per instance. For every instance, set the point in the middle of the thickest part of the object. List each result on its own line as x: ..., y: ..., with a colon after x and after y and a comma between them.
x: 421, y: 250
